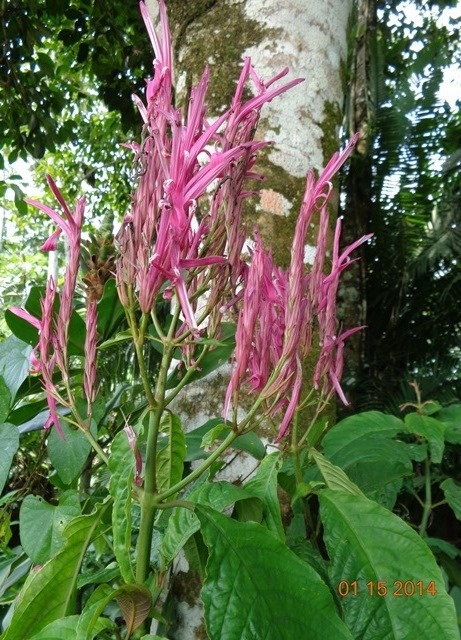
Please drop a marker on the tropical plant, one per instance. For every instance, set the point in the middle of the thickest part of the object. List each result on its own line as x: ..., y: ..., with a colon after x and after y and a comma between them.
x: 122, y: 502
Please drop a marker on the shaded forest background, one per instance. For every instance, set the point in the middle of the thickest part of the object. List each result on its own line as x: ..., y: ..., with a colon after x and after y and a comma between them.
x: 67, y: 74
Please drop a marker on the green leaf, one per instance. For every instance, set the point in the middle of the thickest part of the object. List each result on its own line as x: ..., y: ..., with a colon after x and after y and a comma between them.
x: 121, y: 465
x: 367, y: 543
x: 69, y: 455
x: 257, y: 589
x: 5, y: 400
x: 250, y: 443
x: 334, y: 477
x: 263, y: 485
x: 42, y: 525
x: 50, y: 591
x: 451, y: 418
x: 170, y: 459
x: 62, y: 629
x: 110, y: 311
x: 365, y: 446
x: 211, y: 436
x: 215, y: 357
x: 9, y: 437
x: 27, y: 333
x: 97, y: 602
x: 182, y: 523
x: 108, y: 573
x: 14, y: 362
x: 431, y: 429
x: 438, y: 544
x: 452, y: 493
x: 123, y: 336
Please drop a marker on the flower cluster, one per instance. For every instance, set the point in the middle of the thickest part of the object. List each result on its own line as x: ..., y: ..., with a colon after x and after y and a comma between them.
x: 183, y: 238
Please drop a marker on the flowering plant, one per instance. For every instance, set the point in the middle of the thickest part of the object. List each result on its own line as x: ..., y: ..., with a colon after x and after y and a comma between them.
x: 183, y: 244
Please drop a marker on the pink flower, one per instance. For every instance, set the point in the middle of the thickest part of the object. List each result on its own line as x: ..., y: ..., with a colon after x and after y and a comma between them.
x: 132, y: 441
x: 89, y: 375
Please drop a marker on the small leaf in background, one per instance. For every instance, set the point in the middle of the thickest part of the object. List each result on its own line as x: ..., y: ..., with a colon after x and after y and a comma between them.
x: 257, y: 589
x: 211, y: 436
x: 135, y: 602
x: 14, y: 362
x: 369, y: 544
x: 121, y: 465
x: 263, y: 485
x: 212, y: 360
x: 452, y: 493
x: 334, y: 477
x: 50, y: 591
x: 69, y: 455
x: 249, y: 442
x: 42, y: 525
x: 431, y: 429
x: 170, y: 459
x: 9, y: 437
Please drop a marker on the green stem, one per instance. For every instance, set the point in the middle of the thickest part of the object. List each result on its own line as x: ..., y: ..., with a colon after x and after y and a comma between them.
x: 428, y: 499
x: 96, y: 446
x: 149, y: 499
x: 206, y: 464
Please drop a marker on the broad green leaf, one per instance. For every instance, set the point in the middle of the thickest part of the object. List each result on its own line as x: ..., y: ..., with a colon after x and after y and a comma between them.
x: 42, y: 525
x: 263, y: 485
x: 135, y: 602
x: 431, y: 429
x: 170, y: 459
x: 110, y: 310
x: 69, y: 455
x: 250, y: 443
x: 366, y: 447
x: 14, y: 362
x: 50, y: 591
x: 62, y: 629
x: 257, y: 589
x: 9, y: 437
x: 183, y: 523
x: 334, y: 477
x: 367, y: 543
x: 452, y: 492
x: 121, y: 465
x: 451, y: 418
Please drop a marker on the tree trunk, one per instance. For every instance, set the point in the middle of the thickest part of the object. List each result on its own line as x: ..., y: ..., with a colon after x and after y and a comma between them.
x: 360, y: 115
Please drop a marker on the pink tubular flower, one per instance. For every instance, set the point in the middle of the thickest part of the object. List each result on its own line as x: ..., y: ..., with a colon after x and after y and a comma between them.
x: 132, y: 441
x: 89, y: 375
x: 275, y: 326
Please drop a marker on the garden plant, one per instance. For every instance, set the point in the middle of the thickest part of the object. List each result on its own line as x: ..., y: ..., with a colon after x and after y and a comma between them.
x: 308, y: 546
